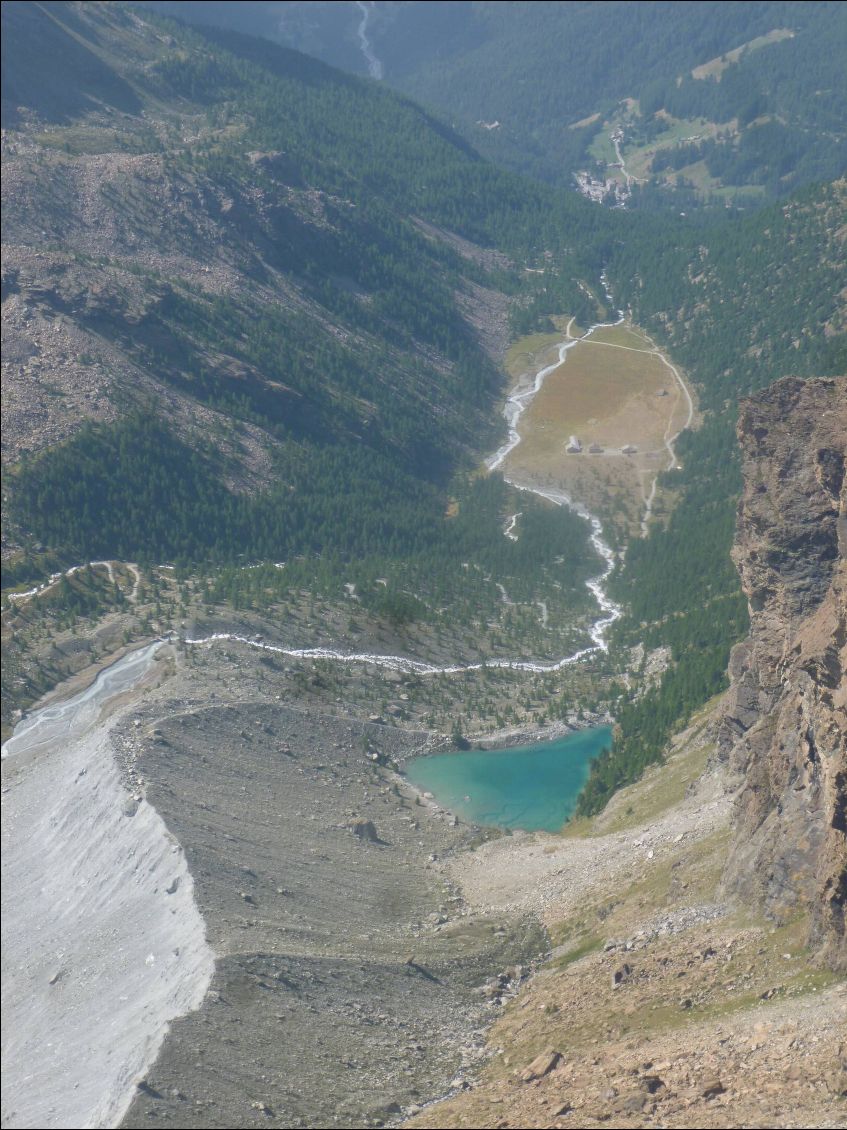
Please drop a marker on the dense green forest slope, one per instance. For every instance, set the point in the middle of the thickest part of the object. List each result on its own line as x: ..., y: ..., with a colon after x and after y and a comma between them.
x: 240, y: 327
x: 733, y: 96
x: 234, y: 235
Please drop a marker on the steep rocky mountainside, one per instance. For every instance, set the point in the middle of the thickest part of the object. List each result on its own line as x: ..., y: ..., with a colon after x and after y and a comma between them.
x: 224, y: 255
x: 784, y: 725
x: 218, y: 239
x: 129, y: 222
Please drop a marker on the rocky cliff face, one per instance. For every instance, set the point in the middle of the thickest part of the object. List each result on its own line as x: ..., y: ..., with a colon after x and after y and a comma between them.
x: 784, y: 725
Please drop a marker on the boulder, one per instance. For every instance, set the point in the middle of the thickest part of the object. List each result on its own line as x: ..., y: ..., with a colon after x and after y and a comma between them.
x: 621, y: 974
x: 542, y: 1065
x: 365, y: 830
x: 711, y: 1088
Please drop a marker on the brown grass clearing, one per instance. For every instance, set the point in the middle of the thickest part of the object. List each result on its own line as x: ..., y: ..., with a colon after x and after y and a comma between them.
x: 715, y: 67
x: 608, y: 393
x: 583, y: 122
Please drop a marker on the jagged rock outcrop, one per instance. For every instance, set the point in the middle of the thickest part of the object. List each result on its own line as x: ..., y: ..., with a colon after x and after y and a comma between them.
x: 784, y: 725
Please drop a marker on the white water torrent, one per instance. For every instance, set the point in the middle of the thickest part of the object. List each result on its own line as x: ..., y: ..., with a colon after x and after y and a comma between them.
x: 516, y: 404
x: 398, y: 662
x: 374, y: 65
x: 21, y: 597
x: 509, y: 528
x: 103, y: 944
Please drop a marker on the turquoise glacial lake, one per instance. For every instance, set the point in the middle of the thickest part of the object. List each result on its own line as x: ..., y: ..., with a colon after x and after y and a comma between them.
x: 530, y: 786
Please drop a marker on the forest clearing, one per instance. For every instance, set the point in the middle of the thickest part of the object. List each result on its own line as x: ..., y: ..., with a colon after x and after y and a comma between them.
x: 602, y: 425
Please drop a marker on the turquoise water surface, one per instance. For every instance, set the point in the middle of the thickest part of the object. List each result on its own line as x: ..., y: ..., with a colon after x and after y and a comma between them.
x: 530, y: 786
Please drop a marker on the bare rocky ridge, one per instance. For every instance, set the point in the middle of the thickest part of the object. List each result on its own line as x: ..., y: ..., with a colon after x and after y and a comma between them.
x: 784, y: 726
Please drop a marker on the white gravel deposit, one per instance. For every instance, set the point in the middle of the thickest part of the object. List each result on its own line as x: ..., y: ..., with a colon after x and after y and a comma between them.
x: 103, y: 944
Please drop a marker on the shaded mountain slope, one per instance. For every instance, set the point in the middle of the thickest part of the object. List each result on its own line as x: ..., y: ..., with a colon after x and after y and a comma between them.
x: 227, y: 238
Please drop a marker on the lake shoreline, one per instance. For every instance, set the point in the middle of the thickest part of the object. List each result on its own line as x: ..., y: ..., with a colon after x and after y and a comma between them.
x: 529, y: 788
x: 527, y: 735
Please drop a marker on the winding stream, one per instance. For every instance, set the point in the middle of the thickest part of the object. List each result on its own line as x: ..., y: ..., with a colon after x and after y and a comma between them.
x: 374, y: 64
x: 516, y: 404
